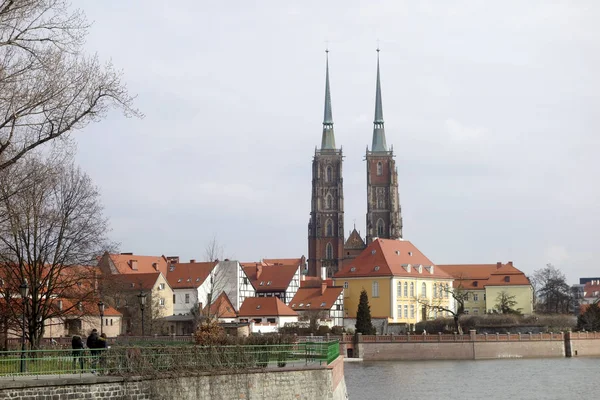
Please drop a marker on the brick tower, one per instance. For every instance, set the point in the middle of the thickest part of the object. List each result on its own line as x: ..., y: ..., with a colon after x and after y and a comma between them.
x: 384, y: 218
x: 326, y: 225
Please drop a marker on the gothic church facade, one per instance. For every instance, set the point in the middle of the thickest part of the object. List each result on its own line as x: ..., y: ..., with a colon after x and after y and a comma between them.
x: 326, y: 246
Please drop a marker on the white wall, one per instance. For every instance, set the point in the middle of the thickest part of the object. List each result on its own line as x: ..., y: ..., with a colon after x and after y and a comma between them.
x: 180, y: 306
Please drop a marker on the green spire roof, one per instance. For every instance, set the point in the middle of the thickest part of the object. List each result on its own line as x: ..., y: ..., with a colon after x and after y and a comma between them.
x: 328, y: 139
x: 379, y: 143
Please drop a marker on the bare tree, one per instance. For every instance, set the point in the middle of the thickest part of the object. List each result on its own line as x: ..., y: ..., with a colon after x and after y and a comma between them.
x: 48, y: 86
x: 49, y: 232
x: 217, y: 279
x: 505, y: 303
x: 459, y: 295
x: 551, y: 291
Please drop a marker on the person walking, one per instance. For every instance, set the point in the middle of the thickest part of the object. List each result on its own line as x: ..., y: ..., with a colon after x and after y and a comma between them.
x: 77, y: 347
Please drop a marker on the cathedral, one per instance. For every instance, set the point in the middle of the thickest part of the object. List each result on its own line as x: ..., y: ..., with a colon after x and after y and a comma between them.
x: 326, y: 245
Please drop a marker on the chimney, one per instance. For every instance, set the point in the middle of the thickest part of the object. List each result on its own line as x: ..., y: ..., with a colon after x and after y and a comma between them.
x: 200, y: 308
x: 134, y: 265
x: 323, y: 286
x: 323, y: 273
x: 192, y: 261
x: 155, y: 265
x: 258, y: 271
x: 498, y: 265
x: 510, y: 263
x: 60, y: 305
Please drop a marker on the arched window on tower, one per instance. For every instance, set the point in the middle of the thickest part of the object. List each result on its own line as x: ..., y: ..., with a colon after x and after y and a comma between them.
x: 329, y: 251
x: 329, y: 228
x: 380, y: 202
x: 328, y: 202
x: 379, y: 168
x: 328, y: 174
x: 380, y: 228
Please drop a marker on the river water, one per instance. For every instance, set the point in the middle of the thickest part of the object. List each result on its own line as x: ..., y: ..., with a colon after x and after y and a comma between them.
x: 557, y: 378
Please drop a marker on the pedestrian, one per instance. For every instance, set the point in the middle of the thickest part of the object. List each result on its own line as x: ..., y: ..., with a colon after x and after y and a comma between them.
x: 77, y: 347
x: 92, y: 344
x: 102, y: 345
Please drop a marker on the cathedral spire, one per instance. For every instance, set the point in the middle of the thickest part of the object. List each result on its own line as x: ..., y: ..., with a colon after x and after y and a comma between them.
x: 379, y: 143
x: 328, y: 139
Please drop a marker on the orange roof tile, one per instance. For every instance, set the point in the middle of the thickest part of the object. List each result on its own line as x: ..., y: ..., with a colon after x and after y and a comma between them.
x: 270, y: 278
x: 222, y: 307
x: 126, y: 263
x: 87, y: 308
x: 282, y: 261
x: 481, y: 275
x: 591, y: 290
x: 388, y: 257
x: 265, y: 307
x: 189, y: 275
x: 314, y: 298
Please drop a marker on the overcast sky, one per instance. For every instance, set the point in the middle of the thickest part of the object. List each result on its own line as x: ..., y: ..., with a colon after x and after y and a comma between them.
x: 492, y: 109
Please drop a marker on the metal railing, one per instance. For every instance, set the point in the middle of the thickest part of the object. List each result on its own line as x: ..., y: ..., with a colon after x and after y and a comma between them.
x: 153, y: 360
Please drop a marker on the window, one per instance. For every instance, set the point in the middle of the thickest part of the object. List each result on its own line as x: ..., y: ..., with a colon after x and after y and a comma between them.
x: 245, y: 281
x: 399, y: 310
x: 329, y: 251
x: 380, y: 201
x: 476, y: 311
x: 328, y: 174
x: 441, y: 290
x: 328, y: 202
x: 435, y: 290
x: 475, y: 297
x: 323, y: 304
x: 111, y: 322
x: 379, y: 168
x: 484, y: 297
x: 173, y: 299
x: 376, y: 268
x: 375, y: 289
x: 161, y: 301
x: 447, y: 290
x: 380, y: 227
x: 161, y: 286
x: 423, y: 290
x: 412, y: 310
x: 405, y: 289
x: 187, y: 298
x: 406, y: 311
x: 329, y: 228
x: 467, y: 296
x: 466, y: 311
x: 412, y: 289
x: 399, y: 288
x: 507, y: 279
x: 271, y: 320
x: 346, y: 285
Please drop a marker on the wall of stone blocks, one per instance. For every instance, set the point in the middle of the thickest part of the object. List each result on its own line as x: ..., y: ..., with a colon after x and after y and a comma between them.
x: 317, y: 383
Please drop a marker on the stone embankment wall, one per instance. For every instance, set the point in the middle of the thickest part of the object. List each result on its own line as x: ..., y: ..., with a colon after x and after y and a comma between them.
x: 476, y: 347
x: 311, y: 383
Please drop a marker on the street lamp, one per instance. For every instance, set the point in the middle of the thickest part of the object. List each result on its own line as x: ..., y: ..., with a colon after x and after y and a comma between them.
x: 24, y: 290
x: 142, y: 299
x: 101, y: 309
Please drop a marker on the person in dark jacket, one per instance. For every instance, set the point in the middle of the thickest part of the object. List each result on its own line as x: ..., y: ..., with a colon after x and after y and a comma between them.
x: 77, y: 346
x: 92, y: 343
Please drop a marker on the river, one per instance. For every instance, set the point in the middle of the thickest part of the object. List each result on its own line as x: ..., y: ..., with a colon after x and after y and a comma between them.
x: 557, y: 378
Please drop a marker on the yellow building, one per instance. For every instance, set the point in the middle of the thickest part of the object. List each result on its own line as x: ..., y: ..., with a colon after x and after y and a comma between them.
x: 485, y: 282
x: 401, y: 282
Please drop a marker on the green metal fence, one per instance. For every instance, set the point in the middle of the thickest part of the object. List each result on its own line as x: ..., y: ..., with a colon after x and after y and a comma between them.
x: 150, y: 360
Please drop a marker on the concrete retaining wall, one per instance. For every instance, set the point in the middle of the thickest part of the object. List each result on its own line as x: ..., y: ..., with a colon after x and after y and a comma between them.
x: 316, y: 383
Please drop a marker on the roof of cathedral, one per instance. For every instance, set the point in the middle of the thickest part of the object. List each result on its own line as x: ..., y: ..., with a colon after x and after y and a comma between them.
x: 354, y: 241
x: 389, y: 257
x: 328, y: 138
x: 482, y: 275
x: 379, y: 143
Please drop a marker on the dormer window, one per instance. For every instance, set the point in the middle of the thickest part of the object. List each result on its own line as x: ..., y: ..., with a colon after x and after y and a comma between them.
x: 293, y: 305
x: 323, y: 304
x: 261, y: 283
x: 179, y: 280
x: 475, y: 283
x: 373, y: 252
x: 410, y: 253
x: 269, y: 283
x: 352, y: 269
x: 376, y: 268
x: 258, y: 307
x: 189, y: 279
x: 307, y: 305
x: 507, y: 278
x: 397, y: 252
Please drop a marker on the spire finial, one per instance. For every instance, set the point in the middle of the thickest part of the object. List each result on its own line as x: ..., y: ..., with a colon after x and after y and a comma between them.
x: 328, y: 139
x: 379, y: 143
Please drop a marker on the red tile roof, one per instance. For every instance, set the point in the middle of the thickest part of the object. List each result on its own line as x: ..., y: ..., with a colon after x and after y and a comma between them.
x: 591, y: 290
x: 189, y: 275
x: 270, y: 278
x: 222, y: 307
x: 86, y: 308
x: 480, y: 275
x: 388, y: 257
x: 126, y: 263
x: 314, y: 298
x: 265, y: 307
x: 283, y: 261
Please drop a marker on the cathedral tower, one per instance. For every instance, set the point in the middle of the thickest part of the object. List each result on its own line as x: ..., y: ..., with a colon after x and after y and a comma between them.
x: 384, y: 219
x: 326, y: 225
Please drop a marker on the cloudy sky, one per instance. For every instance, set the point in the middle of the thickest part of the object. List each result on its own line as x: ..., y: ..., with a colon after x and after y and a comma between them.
x: 492, y: 108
